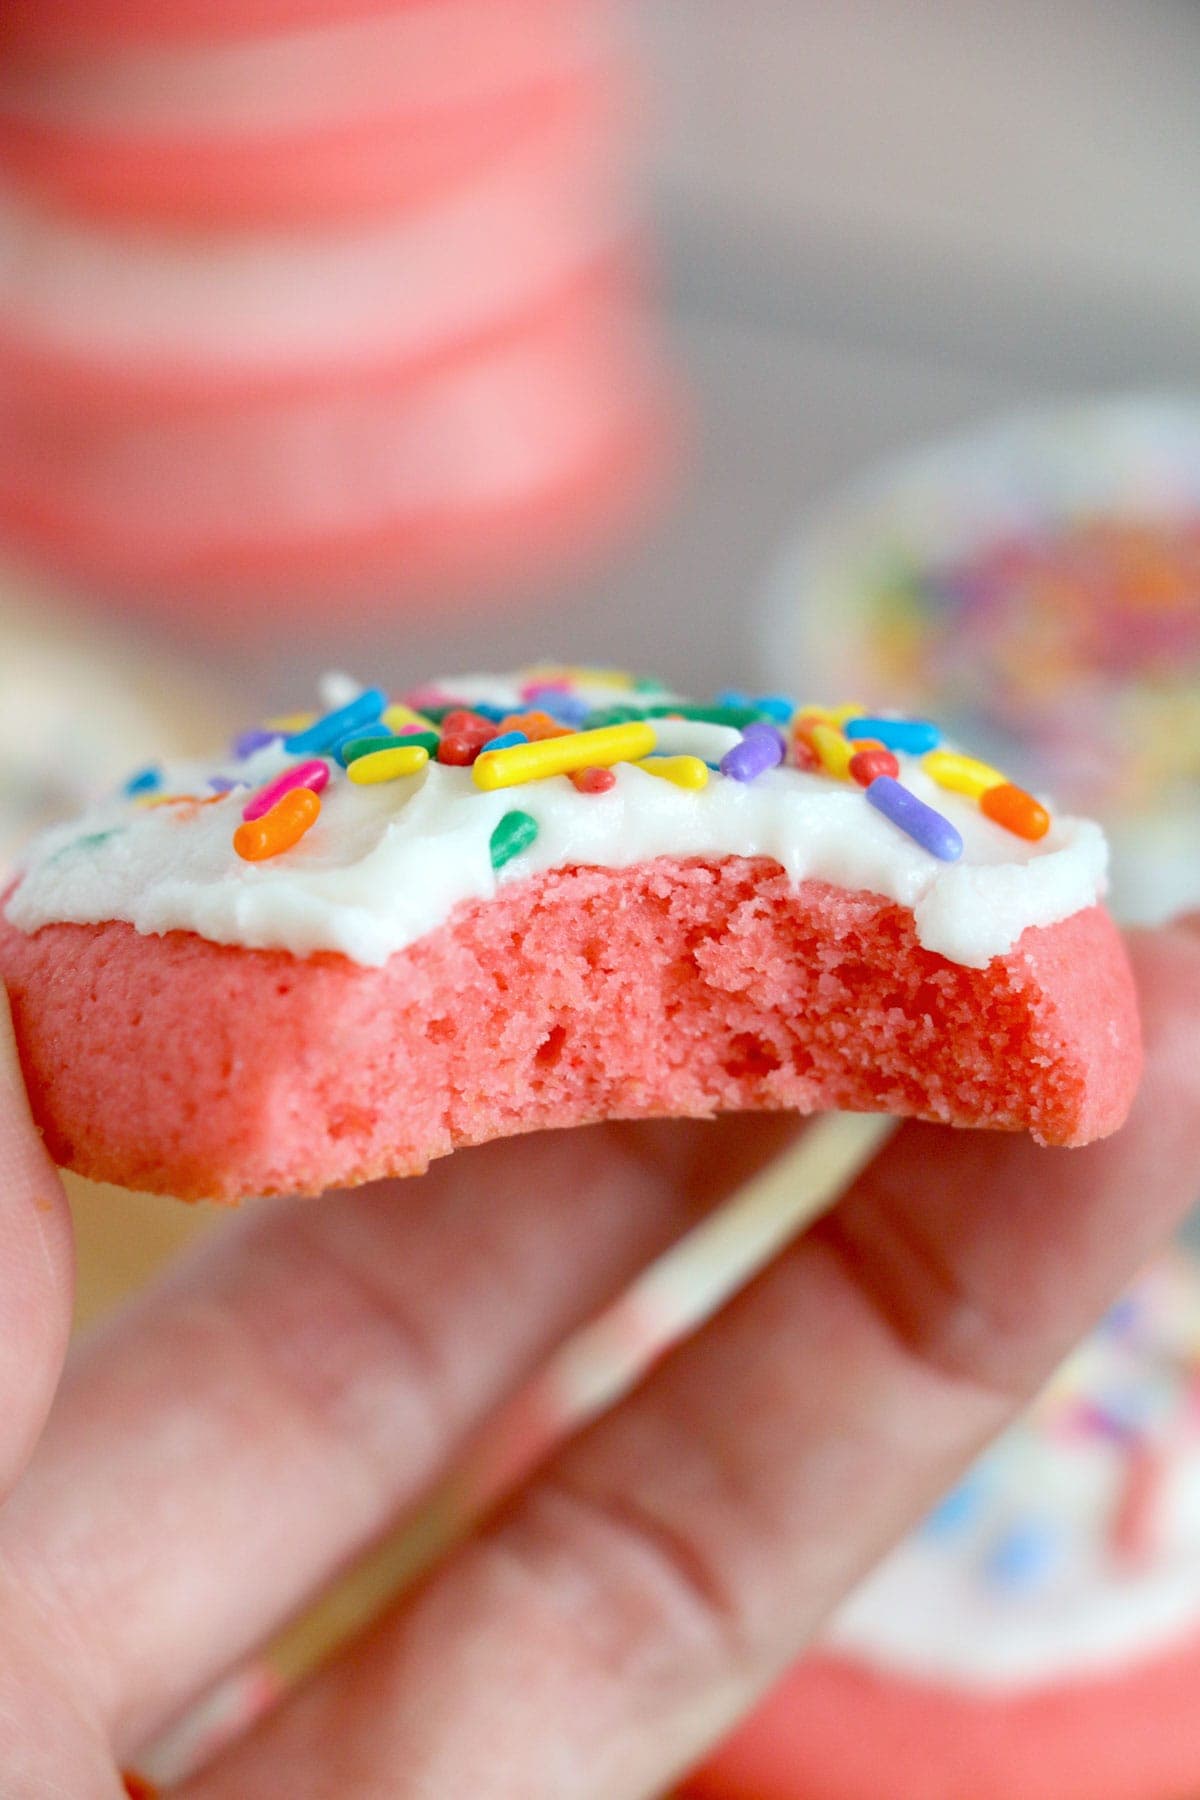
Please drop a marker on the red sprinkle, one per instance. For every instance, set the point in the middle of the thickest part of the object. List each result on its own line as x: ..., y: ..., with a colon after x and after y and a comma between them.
x: 137, y: 1787
x: 464, y: 723
x: 460, y: 747
x: 867, y: 765
x: 593, y: 781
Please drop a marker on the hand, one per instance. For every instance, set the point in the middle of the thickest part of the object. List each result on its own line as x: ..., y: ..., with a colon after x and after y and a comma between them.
x: 218, y: 1452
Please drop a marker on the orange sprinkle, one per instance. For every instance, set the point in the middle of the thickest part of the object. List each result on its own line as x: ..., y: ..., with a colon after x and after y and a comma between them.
x: 279, y: 829
x: 1016, y: 810
x: 593, y: 781
x: 537, y: 726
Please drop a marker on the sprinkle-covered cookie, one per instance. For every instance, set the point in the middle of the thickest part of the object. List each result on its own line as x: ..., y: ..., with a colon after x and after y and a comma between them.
x: 421, y: 918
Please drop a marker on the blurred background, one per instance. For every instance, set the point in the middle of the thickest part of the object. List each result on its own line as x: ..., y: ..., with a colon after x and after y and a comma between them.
x: 221, y: 281
x: 424, y: 335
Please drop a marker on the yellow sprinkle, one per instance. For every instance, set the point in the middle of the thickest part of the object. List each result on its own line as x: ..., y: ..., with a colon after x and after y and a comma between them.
x: 834, y: 751
x: 961, y: 774
x: 397, y: 716
x: 387, y: 765
x: 559, y: 755
x: 683, y: 771
x: 836, y: 715
x: 291, y: 722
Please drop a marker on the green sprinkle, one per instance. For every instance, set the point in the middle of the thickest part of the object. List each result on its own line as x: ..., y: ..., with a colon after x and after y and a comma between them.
x: 515, y: 832
x: 353, y: 748
x: 438, y: 713
x: 428, y: 740
x: 612, y: 715
x: 91, y: 842
x: 648, y: 684
x: 709, y: 713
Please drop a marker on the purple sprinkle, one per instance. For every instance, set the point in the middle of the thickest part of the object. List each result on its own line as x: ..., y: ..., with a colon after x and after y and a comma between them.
x: 562, y: 705
x: 256, y: 739
x: 760, y: 748
x: 772, y: 731
x: 931, y: 829
x: 221, y: 784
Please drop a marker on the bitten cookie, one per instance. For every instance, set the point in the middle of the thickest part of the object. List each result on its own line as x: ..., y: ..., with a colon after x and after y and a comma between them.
x: 362, y: 939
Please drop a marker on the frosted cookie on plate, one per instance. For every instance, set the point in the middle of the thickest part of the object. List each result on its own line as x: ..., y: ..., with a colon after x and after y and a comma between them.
x: 1039, y: 1635
x: 1036, y: 585
x: 357, y: 940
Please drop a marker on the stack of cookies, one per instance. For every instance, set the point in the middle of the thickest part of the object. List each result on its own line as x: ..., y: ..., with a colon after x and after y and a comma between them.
x: 335, y: 300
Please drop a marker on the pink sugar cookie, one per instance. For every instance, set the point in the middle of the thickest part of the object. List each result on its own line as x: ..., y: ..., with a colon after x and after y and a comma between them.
x: 86, y: 24
x: 490, y: 467
x: 138, y: 319
x: 344, y: 170
x: 1022, y: 1644
x: 391, y: 989
x: 836, y: 1732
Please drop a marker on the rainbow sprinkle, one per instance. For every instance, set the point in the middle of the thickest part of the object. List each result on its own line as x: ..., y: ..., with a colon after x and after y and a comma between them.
x: 584, y: 725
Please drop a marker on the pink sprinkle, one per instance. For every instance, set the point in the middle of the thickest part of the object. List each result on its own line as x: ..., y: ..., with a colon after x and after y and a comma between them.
x: 421, y: 697
x: 313, y: 774
x: 1134, y: 1524
x: 1192, y: 1396
x: 532, y: 689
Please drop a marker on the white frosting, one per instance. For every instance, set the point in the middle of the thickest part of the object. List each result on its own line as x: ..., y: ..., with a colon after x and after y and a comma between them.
x: 934, y: 1610
x: 386, y: 864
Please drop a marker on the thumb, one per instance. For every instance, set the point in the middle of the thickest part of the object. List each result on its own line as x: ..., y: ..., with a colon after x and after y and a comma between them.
x: 36, y: 1269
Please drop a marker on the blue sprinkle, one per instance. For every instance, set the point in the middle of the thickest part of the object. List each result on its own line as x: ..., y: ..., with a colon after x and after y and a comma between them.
x: 931, y: 829
x: 776, y: 706
x: 1024, y: 1554
x: 256, y: 739
x: 146, y: 781
x: 487, y: 710
x: 505, y: 740
x: 911, y: 736
x: 958, y: 1510
x: 324, y: 733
